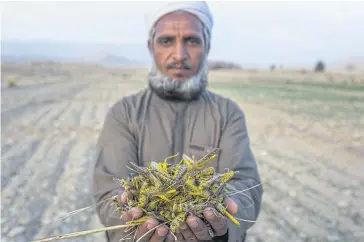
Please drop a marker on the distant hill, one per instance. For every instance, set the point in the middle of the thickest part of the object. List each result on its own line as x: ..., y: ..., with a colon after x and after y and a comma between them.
x: 127, y: 55
x: 351, y: 66
x: 215, y: 65
x: 108, y: 54
x: 93, y: 53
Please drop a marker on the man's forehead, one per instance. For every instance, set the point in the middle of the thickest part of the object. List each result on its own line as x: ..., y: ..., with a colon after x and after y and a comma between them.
x: 179, y: 22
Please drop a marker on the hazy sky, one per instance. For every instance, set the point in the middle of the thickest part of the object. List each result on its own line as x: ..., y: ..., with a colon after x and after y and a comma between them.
x: 265, y: 32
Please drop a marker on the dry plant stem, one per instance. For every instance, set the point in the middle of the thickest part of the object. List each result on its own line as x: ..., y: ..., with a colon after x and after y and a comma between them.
x: 230, y: 194
x: 125, y: 237
x: 135, y: 232
x: 71, y: 235
x: 244, y: 220
x: 82, y: 209
x: 174, y: 236
x: 150, y: 231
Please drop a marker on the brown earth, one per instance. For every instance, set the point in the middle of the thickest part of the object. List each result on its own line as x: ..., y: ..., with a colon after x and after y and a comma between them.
x: 313, y: 166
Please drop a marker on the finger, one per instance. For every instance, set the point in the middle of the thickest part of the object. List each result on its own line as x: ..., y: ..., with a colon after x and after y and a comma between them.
x: 160, y: 234
x: 231, y: 205
x: 179, y: 235
x: 187, y: 232
x: 217, y: 221
x: 145, y: 231
x: 125, y: 196
x: 199, y: 228
x: 170, y: 237
x: 131, y: 214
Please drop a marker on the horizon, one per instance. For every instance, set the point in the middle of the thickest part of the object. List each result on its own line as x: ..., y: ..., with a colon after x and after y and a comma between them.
x: 282, y: 33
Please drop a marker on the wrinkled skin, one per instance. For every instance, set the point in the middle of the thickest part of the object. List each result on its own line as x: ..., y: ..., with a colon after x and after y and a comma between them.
x: 180, y: 72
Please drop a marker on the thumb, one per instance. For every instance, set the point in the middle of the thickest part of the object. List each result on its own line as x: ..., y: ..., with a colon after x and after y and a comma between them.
x: 125, y: 196
x: 231, y: 205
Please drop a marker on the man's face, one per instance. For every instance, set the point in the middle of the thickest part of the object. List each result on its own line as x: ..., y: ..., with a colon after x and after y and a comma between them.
x: 178, y: 45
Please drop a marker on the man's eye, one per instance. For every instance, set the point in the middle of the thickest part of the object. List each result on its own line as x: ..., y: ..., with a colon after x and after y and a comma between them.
x: 165, y: 41
x: 193, y: 41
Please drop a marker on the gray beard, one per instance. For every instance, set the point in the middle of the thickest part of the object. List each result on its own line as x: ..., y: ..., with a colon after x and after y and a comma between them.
x: 185, y: 90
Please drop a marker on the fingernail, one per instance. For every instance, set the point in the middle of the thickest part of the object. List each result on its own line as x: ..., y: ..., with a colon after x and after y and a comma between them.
x: 193, y: 223
x: 162, y: 231
x: 183, y: 226
x: 209, y: 213
x: 150, y: 225
x: 137, y: 213
x: 134, y: 211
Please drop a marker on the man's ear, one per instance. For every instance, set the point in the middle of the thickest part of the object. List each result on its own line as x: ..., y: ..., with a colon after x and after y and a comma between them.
x: 150, y: 46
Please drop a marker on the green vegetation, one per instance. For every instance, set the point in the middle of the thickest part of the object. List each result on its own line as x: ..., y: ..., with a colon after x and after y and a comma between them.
x: 317, y: 100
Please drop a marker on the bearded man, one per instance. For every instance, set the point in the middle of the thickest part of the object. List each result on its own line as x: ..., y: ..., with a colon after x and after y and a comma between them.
x: 177, y: 114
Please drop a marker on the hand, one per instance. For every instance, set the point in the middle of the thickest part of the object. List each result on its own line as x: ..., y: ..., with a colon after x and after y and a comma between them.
x: 195, y: 229
x: 159, y: 234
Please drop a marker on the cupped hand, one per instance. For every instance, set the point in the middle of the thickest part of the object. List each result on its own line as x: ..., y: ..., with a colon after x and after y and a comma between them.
x: 161, y: 233
x: 217, y: 225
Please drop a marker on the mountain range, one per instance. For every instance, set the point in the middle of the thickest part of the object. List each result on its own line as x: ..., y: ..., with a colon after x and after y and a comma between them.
x: 97, y: 53
x: 135, y: 54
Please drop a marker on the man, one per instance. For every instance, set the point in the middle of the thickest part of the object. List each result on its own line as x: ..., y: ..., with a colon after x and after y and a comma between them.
x: 177, y: 114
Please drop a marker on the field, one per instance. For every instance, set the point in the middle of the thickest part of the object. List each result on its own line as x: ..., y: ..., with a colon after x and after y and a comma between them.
x: 306, y: 130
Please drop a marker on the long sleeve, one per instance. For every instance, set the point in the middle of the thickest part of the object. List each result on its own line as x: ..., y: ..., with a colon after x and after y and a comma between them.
x: 116, y: 147
x: 237, y: 155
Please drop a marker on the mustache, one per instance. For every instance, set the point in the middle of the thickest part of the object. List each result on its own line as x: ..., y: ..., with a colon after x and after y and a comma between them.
x: 178, y: 65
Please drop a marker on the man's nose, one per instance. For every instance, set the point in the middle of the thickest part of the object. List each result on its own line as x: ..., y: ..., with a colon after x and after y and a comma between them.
x: 180, y: 53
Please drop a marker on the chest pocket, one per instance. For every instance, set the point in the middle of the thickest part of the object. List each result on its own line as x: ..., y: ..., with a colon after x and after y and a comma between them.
x: 199, y: 151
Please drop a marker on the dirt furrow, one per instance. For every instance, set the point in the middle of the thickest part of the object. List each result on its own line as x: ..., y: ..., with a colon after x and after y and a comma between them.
x: 324, y: 158
x: 323, y: 164
x: 7, y: 143
x: 72, y: 116
x: 266, y: 227
x: 44, y: 95
x: 284, y: 211
x: 301, y: 174
x: 30, y: 192
x: 73, y: 192
x: 93, y: 119
x: 34, y: 117
x: 28, y: 122
x: 86, y: 118
x: 11, y: 114
x: 307, y: 200
x: 13, y: 160
x: 29, y: 118
x: 314, y: 218
x: 56, y: 113
x: 101, y: 112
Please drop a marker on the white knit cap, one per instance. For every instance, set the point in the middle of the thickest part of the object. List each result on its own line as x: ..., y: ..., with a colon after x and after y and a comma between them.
x: 198, y: 8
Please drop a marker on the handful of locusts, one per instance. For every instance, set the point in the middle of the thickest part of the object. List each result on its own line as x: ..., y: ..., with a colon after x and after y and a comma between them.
x: 169, y: 193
